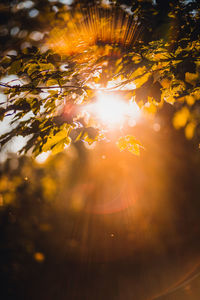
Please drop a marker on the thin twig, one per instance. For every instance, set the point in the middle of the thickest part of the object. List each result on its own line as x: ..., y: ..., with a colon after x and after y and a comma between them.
x: 65, y: 86
x: 39, y: 88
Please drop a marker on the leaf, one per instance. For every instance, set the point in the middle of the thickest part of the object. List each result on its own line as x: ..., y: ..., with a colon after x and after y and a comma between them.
x: 142, y: 79
x: 119, y: 69
x: 189, y: 130
x: 181, y: 117
x: 118, y: 61
x: 191, y: 78
x: 143, y: 91
x: 155, y: 91
x: 190, y: 99
x: 51, y: 82
x: 136, y: 58
x: 150, y: 108
x: 46, y: 67
x: 134, y: 149
x: 122, y: 144
x: 140, y: 71
x: 61, y: 136
x: 130, y: 143
x: 60, y: 146
x: 32, y: 68
x: 171, y: 15
x: 165, y: 82
x: 90, y: 135
x: 15, y: 67
x: 5, y: 62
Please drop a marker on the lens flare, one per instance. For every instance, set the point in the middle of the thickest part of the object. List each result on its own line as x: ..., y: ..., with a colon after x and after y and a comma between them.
x: 111, y: 110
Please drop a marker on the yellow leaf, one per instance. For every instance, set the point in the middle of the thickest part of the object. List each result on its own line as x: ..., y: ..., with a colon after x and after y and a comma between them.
x: 118, y: 61
x: 131, y: 139
x: 121, y: 144
x: 196, y: 94
x: 138, y: 72
x: 181, y: 117
x: 119, y: 68
x: 191, y: 78
x: 45, y: 67
x: 60, y: 136
x: 190, y: 100
x: 136, y: 58
x: 58, y: 147
x: 167, y: 96
x: 171, y: 15
x: 150, y: 108
x: 32, y: 68
x: 134, y: 149
x: 165, y: 83
x: 189, y: 130
x: 140, y: 81
x: 130, y: 143
x: 51, y: 82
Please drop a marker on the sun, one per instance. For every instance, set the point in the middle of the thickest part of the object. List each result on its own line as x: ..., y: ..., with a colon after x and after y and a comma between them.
x: 112, y: 110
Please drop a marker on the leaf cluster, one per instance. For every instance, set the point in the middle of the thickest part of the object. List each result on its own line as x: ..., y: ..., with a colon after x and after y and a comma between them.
x: 51, y: 89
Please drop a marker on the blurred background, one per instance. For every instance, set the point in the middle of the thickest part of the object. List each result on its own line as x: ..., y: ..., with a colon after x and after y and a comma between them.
x: 103, y: 224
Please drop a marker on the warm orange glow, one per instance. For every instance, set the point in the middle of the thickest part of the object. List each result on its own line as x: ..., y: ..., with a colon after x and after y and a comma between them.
x: 83, y: 29
x: 111, y: 110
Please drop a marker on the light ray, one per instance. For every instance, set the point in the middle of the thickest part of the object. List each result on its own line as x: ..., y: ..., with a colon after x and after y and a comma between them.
x: 86, y: 28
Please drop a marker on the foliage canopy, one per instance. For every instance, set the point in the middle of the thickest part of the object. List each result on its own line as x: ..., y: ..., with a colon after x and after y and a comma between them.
x: 52, y: 85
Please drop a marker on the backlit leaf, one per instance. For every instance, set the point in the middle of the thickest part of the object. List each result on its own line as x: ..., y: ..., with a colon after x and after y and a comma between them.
x: 130, y: 143
x: 189, y: 130
x: 181, y: 117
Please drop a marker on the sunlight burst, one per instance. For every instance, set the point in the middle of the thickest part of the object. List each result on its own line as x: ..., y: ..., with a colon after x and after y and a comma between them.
x: 112, y: 110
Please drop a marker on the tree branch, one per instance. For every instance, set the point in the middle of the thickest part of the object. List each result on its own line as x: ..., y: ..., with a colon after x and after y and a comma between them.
x: 64, y: 86
x: 22, y: 87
